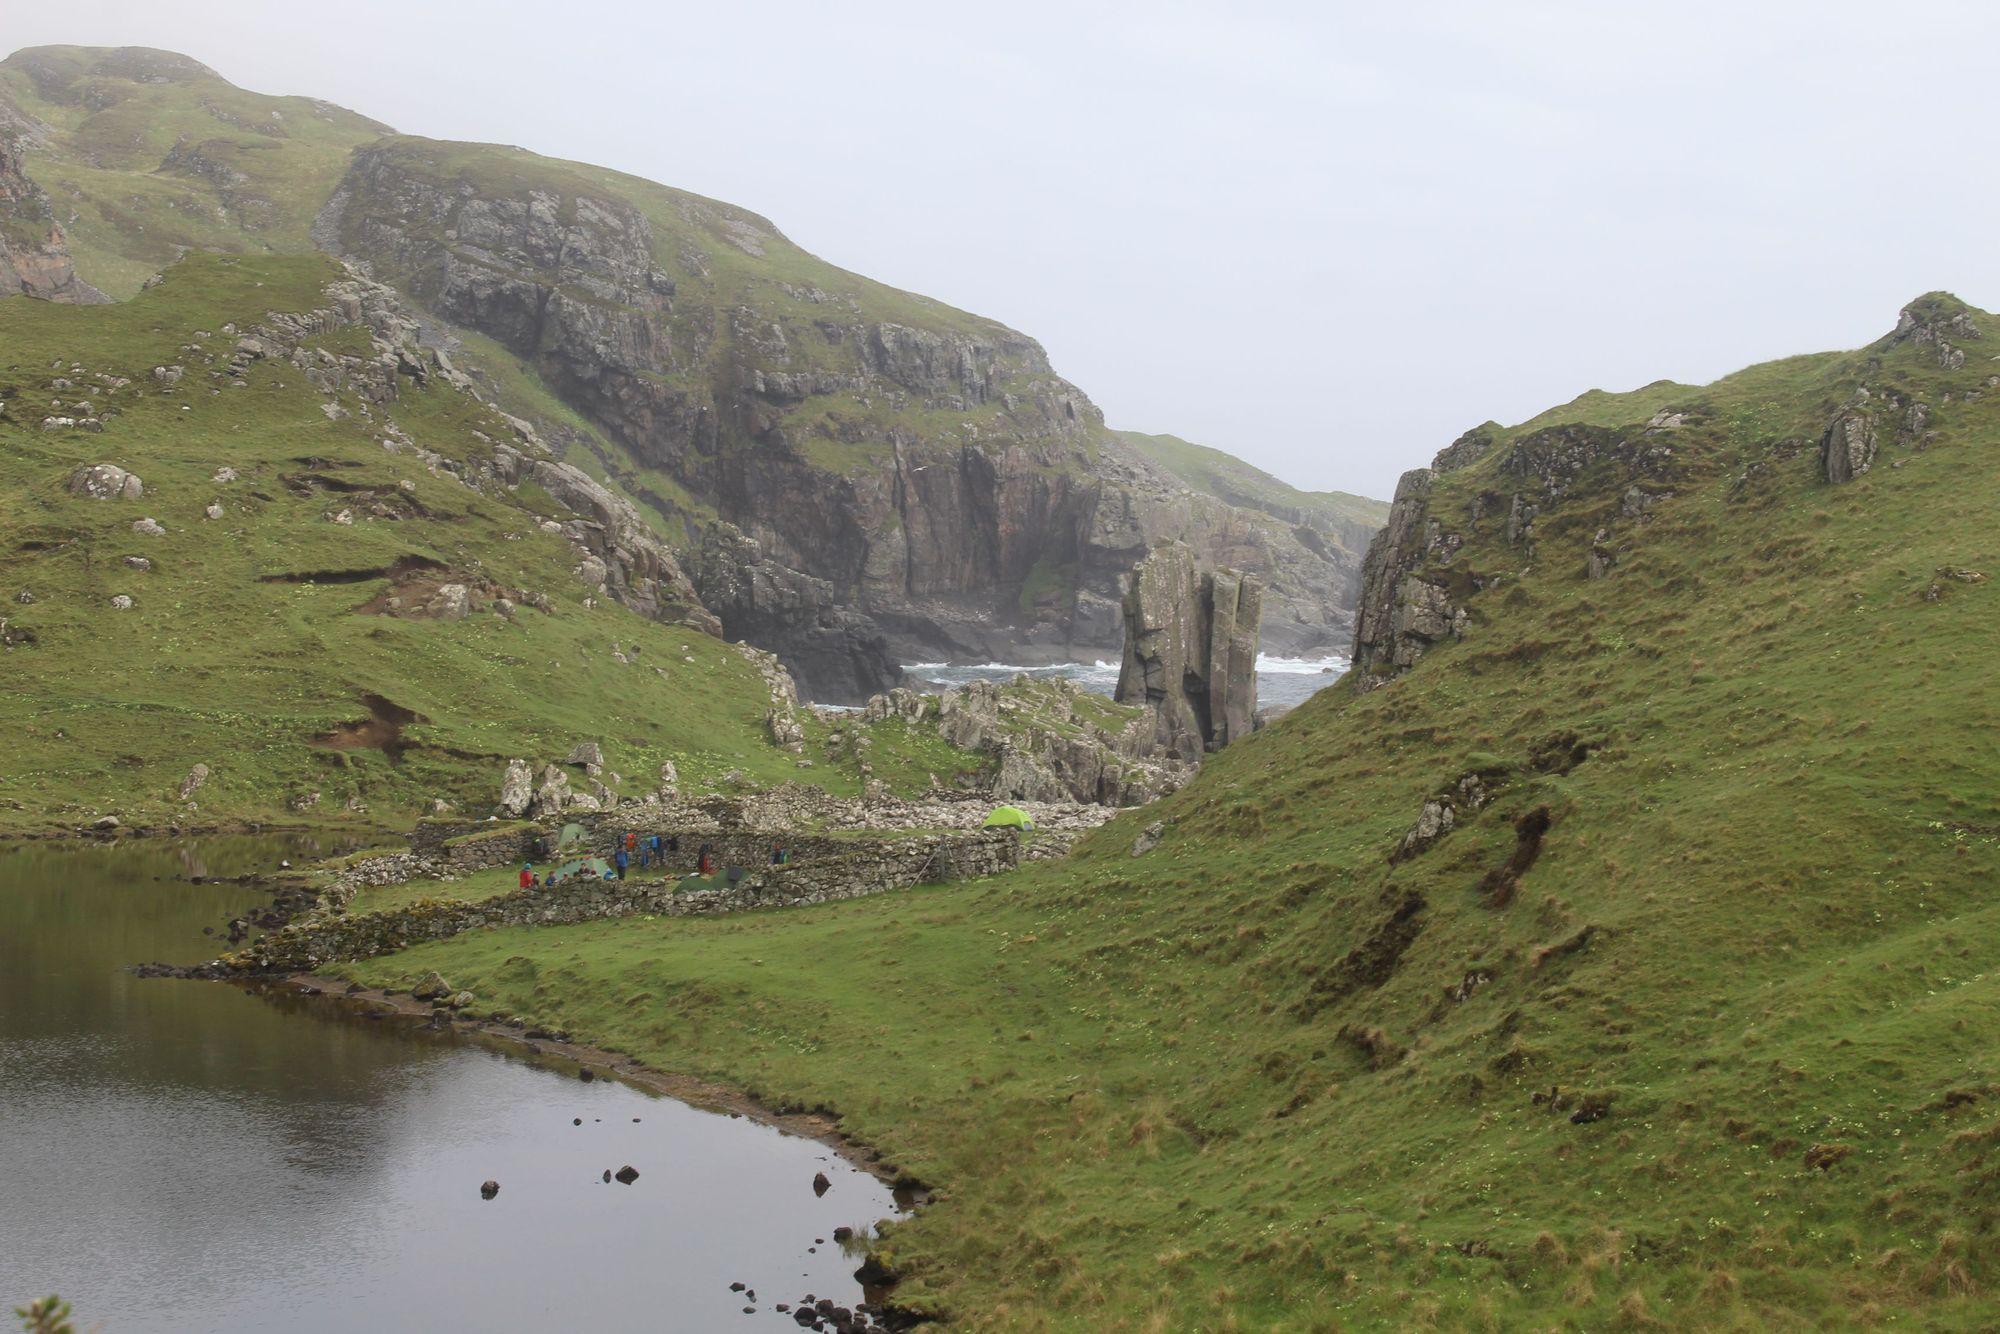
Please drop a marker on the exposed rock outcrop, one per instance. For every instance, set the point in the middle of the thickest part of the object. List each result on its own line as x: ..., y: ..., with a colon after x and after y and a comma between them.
x: 34, y: 254
x: 1467, y: 450
x: 1847, y: 449
x: 1399, y: 615
x: 517, y: 789
x: 1937, y: 321
x: 1043, y: 742
x: 1191, y: 651
x: 1412, y: 599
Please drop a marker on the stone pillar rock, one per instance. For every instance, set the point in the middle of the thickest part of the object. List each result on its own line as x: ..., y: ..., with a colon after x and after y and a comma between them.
x: 1191, y: 650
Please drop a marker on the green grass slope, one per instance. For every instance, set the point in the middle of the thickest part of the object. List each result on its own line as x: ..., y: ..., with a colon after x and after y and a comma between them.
x: 220, y: 661
x: 147, y: 153
x: 1264, y: 1077
x: 1231, y: 480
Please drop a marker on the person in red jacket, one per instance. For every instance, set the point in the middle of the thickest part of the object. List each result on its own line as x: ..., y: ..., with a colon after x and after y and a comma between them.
x: 527, y: 875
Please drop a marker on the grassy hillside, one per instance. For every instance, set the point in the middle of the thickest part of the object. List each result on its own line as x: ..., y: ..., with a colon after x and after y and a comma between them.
x: 148, y: 153
x: 254, y: 634
x: 1230, y: 479
x: 1691, y: 1026
x: 689, y: 352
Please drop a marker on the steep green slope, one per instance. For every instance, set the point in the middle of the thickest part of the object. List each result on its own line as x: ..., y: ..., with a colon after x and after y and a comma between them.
x: 148, y: 153
x: 1686, y: 1021
x: 1354, y: 519
x: 259, y: 641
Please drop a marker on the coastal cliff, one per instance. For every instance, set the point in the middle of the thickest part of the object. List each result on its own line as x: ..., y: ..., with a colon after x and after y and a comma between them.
x: 851, y: 475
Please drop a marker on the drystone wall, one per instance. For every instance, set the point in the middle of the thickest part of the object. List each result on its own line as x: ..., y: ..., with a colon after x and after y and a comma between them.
x: 831, y: 869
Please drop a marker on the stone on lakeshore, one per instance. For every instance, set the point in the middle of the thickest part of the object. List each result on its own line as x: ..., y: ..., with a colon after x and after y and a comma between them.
x: 586, y: 753
x: 820, y: 1184
x: 488, y: 1189
x: 195, y: 778
x: 431, y: 986
x: 626, y: 1174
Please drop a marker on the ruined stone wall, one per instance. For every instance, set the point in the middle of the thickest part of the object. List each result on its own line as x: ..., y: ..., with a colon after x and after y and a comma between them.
x: 841, y: 870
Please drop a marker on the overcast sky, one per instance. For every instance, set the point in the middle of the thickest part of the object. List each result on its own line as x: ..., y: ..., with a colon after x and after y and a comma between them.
x: 1327, y: 237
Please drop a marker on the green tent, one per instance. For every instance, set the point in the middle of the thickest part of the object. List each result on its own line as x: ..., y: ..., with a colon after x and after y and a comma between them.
x: 1008, y: 817
x: 571, y: 833
x: 596, y: 866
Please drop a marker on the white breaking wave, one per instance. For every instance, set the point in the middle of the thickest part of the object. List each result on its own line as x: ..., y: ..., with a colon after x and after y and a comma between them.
x: 1281, y: 681
x: 1266, y: 663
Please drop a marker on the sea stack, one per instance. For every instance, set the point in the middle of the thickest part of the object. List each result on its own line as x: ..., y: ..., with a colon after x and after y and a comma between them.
x: 1191, y: 650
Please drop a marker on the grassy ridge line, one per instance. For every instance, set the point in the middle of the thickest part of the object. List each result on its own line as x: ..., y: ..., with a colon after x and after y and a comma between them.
x: 1261, y: 1078
x: 1228, y: 478
x: 107, y: 710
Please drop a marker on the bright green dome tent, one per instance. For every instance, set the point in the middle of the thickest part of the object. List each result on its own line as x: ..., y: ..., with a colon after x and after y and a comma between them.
x: 1008, y: 817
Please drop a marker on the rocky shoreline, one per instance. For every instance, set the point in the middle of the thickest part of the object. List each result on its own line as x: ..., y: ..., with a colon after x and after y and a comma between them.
x: 558, y: 1051
x: 556, y: 1048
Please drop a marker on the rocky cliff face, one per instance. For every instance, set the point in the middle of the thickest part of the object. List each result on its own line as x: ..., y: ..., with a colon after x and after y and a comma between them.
x: 34, y: 254
x: 1191, y: 651
x: 870, y: 487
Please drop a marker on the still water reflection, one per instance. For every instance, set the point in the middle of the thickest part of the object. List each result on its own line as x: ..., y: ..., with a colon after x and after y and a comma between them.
x: 187, y: 1156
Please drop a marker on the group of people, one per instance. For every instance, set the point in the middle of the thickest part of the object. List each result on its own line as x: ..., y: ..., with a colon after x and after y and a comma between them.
x: 650, y: 850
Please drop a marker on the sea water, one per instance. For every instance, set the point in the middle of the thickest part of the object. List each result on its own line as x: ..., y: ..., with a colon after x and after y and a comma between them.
x: 1287, y: 682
